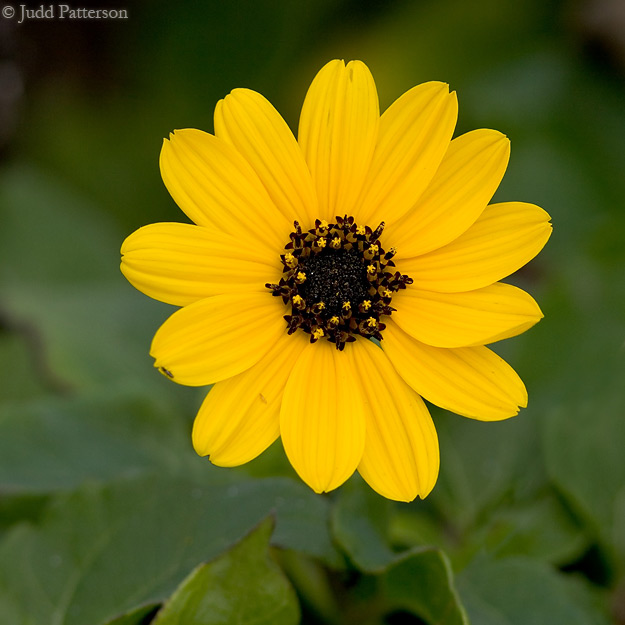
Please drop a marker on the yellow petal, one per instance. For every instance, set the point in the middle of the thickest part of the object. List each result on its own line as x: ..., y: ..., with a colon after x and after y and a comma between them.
x: 321, y: 420
x: 490, y: 314
x: 465, y: 182
x: 470, y: 381
x: 401, y: 458
x: 250, y: 123
x: 216, y: 187
x: 218, y: 337
x: 414, y: 135
x: 182, y: 263
x: 240, y: 417
x: 503, y: 239
x: 337, y: 131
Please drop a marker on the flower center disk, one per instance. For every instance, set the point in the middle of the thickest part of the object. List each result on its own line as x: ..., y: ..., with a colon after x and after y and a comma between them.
x: 338, y: 281
x: 334, y: 277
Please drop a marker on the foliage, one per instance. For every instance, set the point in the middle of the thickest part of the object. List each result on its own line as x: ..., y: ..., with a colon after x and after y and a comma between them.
x: 106, y: 514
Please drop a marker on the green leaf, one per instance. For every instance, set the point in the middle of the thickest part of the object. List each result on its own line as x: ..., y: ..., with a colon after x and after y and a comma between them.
x: 522, y: 591
x: 17, y: 350
x: 58, y: 443
x: 57, y: 235
x: 359, y: 523
x: 584, y: 441
x: 141, y: 616
x: 243, y: 586
x: 422, y: 582
x: 541, y: 528
x: 61, y: 286
x: 102, y: 551
x: 618, y: 525
x: 419, y: 580
x: 19, y: 508
x: 94, y: 336
x: 482, y: 463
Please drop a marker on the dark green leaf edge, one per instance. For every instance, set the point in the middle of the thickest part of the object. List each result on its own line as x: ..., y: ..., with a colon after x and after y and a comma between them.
x: 265, y: 529
x: 358, y: 523
x: 453, y: 613
x: 142, y: 615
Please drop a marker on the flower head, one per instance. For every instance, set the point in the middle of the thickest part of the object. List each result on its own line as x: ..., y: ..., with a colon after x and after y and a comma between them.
x: 302, y: 252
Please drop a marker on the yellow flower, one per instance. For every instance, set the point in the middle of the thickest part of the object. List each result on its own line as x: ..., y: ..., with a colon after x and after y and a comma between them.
x: 281, y: 324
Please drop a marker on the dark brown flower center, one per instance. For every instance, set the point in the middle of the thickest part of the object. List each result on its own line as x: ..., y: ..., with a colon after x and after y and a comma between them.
x: 334, y: 277
x: 338, y: 281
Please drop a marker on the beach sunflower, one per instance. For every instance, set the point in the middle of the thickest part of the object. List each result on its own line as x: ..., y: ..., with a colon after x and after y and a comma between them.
x: 327, y: 284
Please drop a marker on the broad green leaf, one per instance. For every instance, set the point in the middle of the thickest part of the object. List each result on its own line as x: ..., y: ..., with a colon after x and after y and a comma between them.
x: 58, y: 443
x: 95, y: 336
x: 618, y: 536
x: 541, y: 528
x: 418, y: 580
x: 19, y: 508
x: 26, y: 376
x: 61, y: 285
x: 57, y: 235
x: 102, y: 551
x: 315, y: 588
x: 482, y: 463
x: 243, y: 586
x: 522, y: 591
x: 360, y: 525
x: 584, y: 441
x: 422, y: 582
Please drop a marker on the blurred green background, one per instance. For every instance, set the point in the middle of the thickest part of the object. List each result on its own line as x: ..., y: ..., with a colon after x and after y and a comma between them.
x: 104, y: 507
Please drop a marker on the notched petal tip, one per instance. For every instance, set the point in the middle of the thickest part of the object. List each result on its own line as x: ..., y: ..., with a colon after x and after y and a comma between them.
x: 435, y: 85
x: 489, y: 138
x: 355, y: 65
x: 453, y: 105
x: 334, y: 63
x: 178, y: 133
x: 135, y: 240
x: 168, y: 144
x: 240, y: 94
x: 186, y: 134
x: 404, y: 495
x: 498, y: 135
